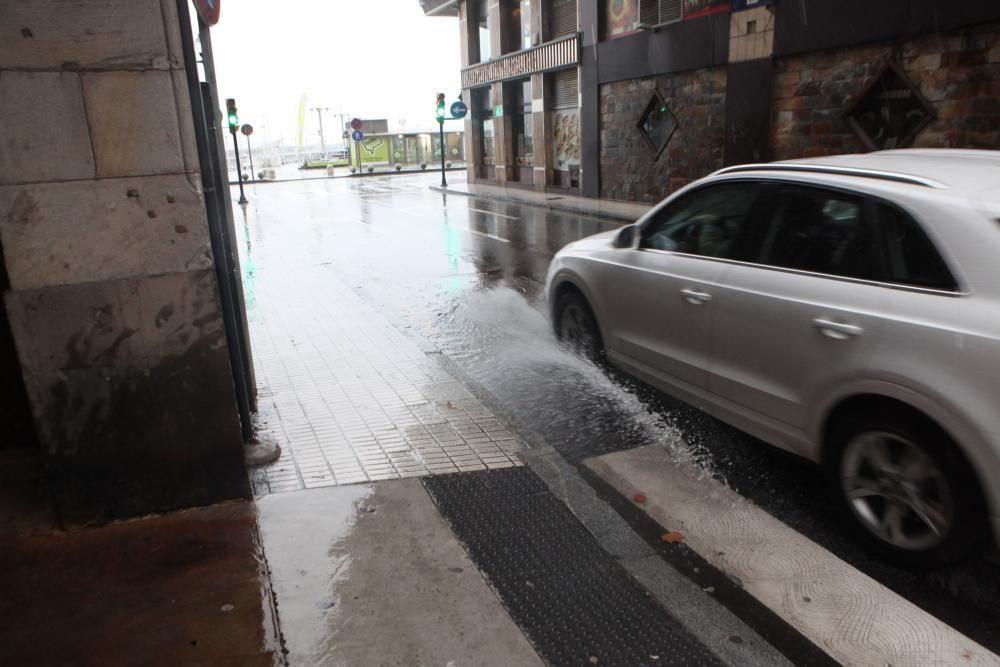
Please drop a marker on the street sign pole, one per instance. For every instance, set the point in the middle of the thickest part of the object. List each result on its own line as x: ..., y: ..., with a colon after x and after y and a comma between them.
x: 357, y: 135
x: 444, y: 183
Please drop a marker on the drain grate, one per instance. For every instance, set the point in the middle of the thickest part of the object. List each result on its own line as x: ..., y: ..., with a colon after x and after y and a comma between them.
x: 574, y: 602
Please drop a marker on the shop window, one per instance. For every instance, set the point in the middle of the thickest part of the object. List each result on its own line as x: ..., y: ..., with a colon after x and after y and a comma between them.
x: 483, y: 118
x: 524, y: 21
x: 523, y: 124
x: 564, y: 100
x: 482, y: 11
x: 657, y: 124
x: 890, y: 112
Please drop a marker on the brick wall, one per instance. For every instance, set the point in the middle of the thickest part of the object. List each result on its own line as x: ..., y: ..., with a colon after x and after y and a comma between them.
x: 957, y: 72
x: 629, y: 169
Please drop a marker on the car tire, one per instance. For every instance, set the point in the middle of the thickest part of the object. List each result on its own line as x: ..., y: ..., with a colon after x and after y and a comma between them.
x: 576, y: 327
x: 910, y: 495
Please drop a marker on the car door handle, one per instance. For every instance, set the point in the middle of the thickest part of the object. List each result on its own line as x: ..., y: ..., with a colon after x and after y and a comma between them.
x: 695, y: 297
x: 837, y: 330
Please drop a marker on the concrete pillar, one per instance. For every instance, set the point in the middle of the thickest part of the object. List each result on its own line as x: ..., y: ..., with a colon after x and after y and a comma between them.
x: 540, y: 118
x: 503, y: 135
x: 590, y: 121
x: 113, y: 300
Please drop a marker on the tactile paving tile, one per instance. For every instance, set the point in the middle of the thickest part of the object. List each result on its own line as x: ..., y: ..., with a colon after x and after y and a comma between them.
x: 574, y: 602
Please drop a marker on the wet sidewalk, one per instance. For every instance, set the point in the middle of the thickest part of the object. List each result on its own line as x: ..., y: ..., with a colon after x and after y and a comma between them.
x: 351, y: 399
x: 607, y: 209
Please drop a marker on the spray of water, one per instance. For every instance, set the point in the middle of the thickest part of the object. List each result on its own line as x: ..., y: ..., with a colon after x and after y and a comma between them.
x: 507, y: 345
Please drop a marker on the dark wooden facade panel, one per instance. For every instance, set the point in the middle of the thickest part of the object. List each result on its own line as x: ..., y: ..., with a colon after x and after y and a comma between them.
x: 812, y: 25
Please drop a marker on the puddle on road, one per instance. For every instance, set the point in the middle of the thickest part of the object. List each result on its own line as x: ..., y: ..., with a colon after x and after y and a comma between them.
x: 505, y: 344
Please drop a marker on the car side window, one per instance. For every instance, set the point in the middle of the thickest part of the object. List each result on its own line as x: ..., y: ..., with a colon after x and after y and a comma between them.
x: 704, y: 222
x: 820, y: 231
x: 909, y: 256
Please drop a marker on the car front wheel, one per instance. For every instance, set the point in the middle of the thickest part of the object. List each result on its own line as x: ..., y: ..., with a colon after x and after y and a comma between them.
x: 577, y: 328
x: 904, y: 485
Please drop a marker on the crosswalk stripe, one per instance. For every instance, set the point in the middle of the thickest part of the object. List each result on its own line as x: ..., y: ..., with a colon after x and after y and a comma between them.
x: 852, y: 617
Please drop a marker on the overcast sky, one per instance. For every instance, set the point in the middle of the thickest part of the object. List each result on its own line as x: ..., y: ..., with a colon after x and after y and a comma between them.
x: 370, y: 58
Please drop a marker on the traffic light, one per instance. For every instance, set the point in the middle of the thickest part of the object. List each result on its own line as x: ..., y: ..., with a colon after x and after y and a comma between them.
x: 234, y: 119
x: 440, y: 106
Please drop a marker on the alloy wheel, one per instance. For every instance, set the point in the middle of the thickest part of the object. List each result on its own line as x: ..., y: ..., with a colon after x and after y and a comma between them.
x: 897, y: 491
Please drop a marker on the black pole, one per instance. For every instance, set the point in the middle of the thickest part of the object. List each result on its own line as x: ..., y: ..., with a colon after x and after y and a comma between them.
x: 239, y: 170
x: 444, y: 183
x: 215, y: 221
x: 253, y: 178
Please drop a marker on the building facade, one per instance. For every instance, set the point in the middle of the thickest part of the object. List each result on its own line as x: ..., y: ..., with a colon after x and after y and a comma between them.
x: 631, y: 99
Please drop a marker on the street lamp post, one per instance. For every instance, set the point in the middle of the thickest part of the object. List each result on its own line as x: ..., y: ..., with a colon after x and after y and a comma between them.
x: 322, y: 142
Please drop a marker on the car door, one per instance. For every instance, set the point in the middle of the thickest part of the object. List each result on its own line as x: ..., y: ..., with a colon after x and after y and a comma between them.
x: 807, y: 311
x: 661, y: 312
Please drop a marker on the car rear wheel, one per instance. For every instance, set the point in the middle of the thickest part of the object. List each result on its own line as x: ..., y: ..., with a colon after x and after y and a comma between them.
x: 577, y: 328
x: 913, y: 498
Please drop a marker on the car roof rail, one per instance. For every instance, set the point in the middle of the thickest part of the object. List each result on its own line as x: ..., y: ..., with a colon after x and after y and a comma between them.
x: 833, y: 169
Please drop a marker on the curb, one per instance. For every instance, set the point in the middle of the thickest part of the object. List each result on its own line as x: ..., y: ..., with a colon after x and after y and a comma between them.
x: 403, y: 172
x: 554, y: 206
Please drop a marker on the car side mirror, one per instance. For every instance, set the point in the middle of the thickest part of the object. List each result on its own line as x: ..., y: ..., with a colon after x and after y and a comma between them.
x: 626, y: 237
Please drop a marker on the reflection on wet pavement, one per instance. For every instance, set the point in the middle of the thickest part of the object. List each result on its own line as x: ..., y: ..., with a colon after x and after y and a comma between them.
x: 372, y: 575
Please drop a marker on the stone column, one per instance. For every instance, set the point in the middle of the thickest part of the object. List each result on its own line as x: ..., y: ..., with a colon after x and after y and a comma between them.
x: 468, y: 35
x: 113, y: 300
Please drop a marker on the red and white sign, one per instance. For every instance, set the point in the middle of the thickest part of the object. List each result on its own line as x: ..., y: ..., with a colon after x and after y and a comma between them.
x: 208, y: 10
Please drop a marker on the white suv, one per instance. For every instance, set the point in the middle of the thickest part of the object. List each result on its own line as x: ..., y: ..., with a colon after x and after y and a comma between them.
x: 846, y: 309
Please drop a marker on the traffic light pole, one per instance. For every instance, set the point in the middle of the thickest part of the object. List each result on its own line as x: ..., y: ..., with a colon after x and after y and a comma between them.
x: 239, y: 170
x: 444, y: 183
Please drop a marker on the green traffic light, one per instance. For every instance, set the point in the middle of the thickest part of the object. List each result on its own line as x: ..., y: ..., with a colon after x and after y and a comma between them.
x: 440, y: 112
x: 233, y: 120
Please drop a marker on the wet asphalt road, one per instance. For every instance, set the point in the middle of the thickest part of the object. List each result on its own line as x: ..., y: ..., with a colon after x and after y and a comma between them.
x: 464, y: 278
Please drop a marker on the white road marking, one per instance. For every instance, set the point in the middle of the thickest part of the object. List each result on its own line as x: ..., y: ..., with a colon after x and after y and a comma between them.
x: 855, y: 619
x: 489, y: 236
x: 499, y: 215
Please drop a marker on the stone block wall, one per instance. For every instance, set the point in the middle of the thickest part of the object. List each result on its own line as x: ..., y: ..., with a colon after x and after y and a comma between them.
x: 629, y: 168
x: 957, y: 72
x: 113, y: 300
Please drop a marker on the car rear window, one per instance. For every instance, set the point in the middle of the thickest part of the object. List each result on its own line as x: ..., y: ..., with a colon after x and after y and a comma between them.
x: 910, y: 257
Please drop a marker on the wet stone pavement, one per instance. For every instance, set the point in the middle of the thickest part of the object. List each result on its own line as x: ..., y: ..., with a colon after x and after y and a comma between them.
x: 351, y: 399
x: 401, y: 333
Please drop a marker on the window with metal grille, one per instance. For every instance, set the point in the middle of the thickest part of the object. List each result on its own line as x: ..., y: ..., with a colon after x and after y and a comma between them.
x: 657, y: 12
x: 562, y: 18
x: 565, y: 89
